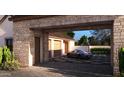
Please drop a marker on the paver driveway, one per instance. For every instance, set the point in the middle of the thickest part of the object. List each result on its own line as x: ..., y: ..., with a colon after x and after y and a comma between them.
x: 59, y: 69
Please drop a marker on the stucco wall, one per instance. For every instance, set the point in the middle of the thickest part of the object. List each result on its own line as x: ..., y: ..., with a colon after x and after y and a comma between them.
x: 6, y: 31
x: 71, y: 45
x: 52, y: 45
x: 87, y: 48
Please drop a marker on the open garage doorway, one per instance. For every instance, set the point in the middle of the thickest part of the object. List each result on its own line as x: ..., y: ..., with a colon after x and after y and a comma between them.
x: 57, y: 44
x: 98, y: 43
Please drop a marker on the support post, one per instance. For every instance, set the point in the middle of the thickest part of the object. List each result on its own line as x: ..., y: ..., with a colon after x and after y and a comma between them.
x: 45, y: 46
x: 118, y: 42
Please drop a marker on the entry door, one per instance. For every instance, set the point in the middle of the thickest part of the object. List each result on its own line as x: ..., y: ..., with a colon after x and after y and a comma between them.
x: 37, y: 50
x: 66, y: 47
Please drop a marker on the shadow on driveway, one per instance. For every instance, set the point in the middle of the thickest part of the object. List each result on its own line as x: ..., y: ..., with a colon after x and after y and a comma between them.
x: 79, y: 70
x: 65, y: 68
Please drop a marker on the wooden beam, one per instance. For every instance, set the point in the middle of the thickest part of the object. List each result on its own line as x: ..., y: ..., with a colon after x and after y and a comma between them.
x: 74, y: 27
x: 16, y: 18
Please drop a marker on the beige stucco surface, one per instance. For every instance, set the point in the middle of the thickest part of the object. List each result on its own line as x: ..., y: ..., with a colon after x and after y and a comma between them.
x: 6, y: 30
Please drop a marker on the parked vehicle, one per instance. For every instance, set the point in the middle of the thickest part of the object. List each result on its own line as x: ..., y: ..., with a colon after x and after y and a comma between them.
x: 80, y: 54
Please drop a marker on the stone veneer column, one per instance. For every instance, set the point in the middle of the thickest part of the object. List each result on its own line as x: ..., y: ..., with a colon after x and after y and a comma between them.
x: 23, y: 45
x: 45, y: 46
x: 62, y: 48
x: 118, y: 42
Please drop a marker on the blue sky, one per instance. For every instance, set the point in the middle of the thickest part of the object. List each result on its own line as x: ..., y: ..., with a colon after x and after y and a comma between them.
x: 78, y: 34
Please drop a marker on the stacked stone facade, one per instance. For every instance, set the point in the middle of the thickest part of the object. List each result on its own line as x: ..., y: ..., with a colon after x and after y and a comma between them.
x: 118, y: 41
x: 24, y: 45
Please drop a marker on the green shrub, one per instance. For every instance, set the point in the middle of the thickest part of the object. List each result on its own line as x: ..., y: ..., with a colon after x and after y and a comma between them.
x: 121, y: 60
x: 100, y: 50
x: 1, y: 55
x: 11, y: 65
x: 7, y: 59
x: 7, y: 54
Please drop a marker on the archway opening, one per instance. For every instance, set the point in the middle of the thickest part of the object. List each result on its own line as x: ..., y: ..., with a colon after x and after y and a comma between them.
x: 99, y: 44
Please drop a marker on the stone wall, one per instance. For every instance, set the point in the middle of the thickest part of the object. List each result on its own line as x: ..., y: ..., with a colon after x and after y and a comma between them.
x: 118, y: 42
x: 64, y: 20
x: 23, y: 44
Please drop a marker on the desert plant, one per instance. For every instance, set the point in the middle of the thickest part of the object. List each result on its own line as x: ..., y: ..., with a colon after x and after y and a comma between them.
x: 11, y: 65
x: 6, y: 54
x: 8, y: 60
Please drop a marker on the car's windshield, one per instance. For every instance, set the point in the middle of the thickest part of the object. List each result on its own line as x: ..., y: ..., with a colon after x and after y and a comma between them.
x: 81, y: 52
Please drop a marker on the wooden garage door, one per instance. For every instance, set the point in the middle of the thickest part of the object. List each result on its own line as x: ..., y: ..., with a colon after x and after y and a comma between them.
x: 57, y: 48
x: 66, y: 46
